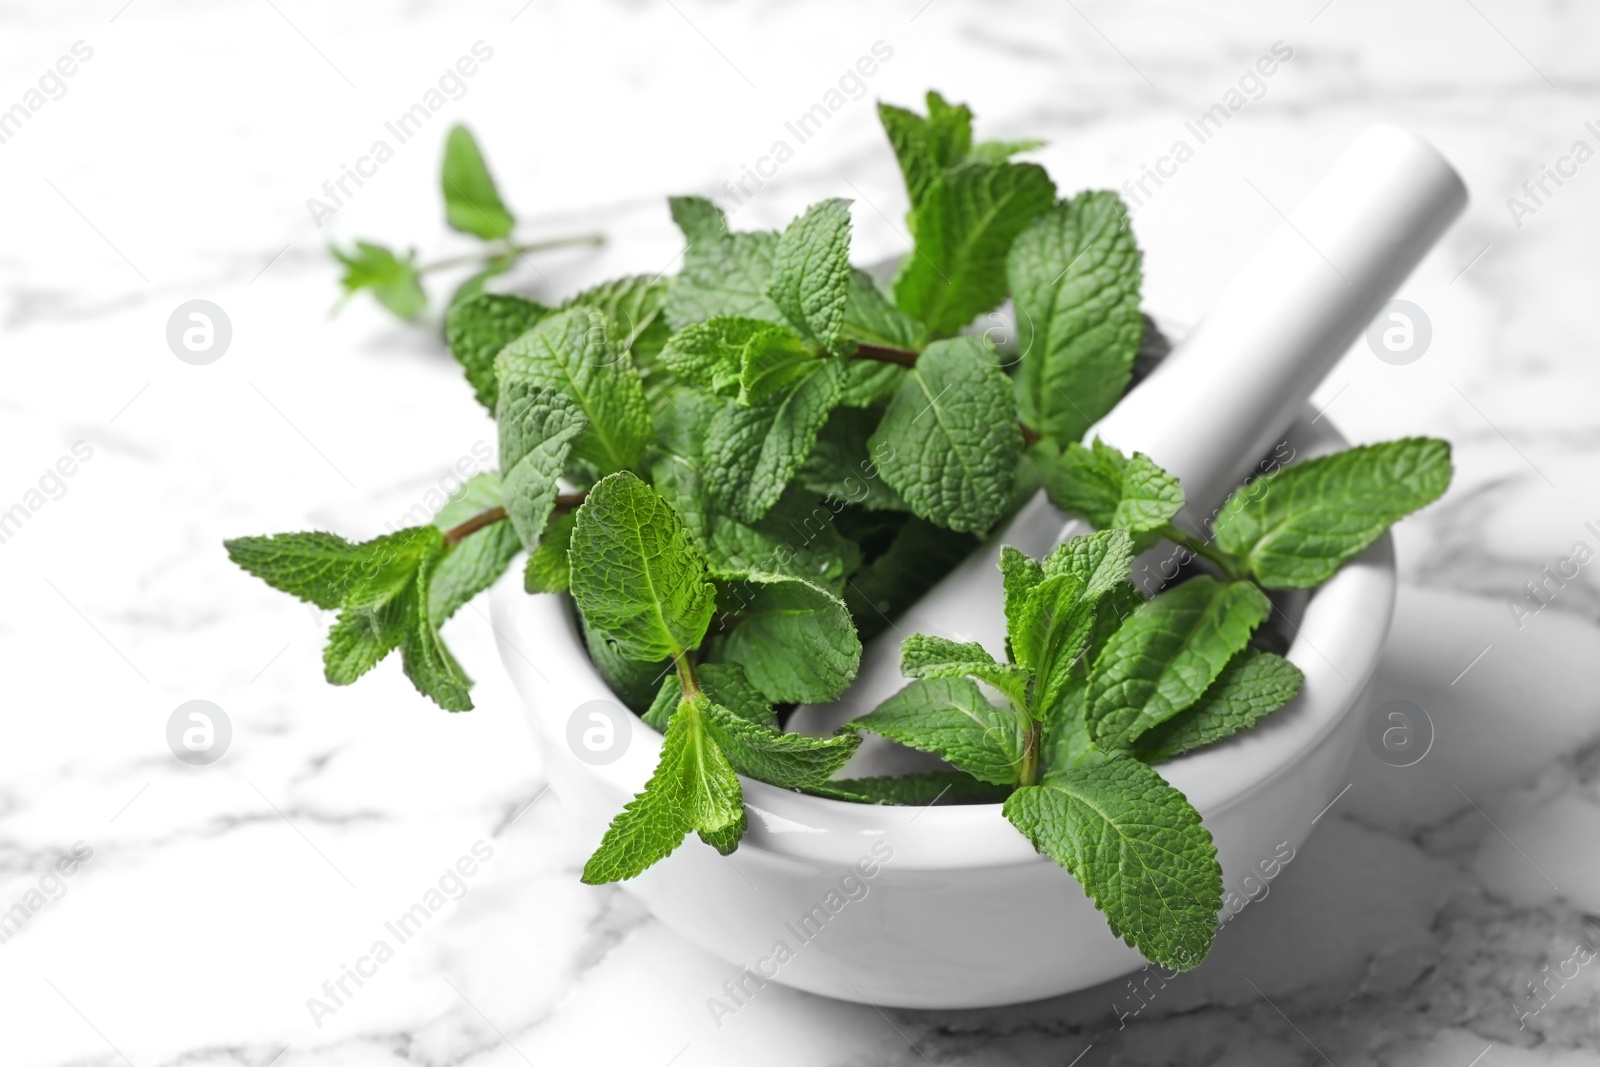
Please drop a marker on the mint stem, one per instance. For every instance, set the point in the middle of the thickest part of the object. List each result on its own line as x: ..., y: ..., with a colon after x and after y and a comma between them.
x: 565, y: 502
x: 879, y: 353
x: 1232, y: 568
x: 504, y: 248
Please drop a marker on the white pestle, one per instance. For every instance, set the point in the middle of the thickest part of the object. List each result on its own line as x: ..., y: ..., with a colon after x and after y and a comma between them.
x: 1222, y: 399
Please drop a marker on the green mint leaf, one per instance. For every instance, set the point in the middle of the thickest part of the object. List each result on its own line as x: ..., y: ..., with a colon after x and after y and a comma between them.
x: 428, y: 663
x: 360, y: 639
x: 1019, y: 574
x: 951, y: 718
x: 723, y: 273
x: 923, y: 656
x: 925, y: 147
x: 811, y: 272
x: 1054, y: 627
x: 473, y: 565
x: 915, y: 790
x: 634, y: 680
x: 392, y: 280
x: 637, y: 304
x: 919, y: 554
x: 1294, y: 528
x: 841, y: 466
x: 1074, y: 277
x: 795, y: 538
x: 871, y: 319
x: 1252, y: 686
x: 773, y: 361
x: 795, y: 640
x: 726, y: 840
x: 752, y: 451
x: 1167, y: 653
x: 963, y: 230
x: 1109, y: 490
x: 547, y: 570
x: 710, y: 354
x: 573, y: 352
x: 316, y: 567
x: 538, y: 426
x: 472, y: 204
x: 1137, y: 847
x: 949, y: 441
x: 790, y: 761
x: 999, y: 151
x: 1066, y: 742
x: 693, y: 788
x: 477, y: 329
x: 1103, y: 561
x: 636, y: 575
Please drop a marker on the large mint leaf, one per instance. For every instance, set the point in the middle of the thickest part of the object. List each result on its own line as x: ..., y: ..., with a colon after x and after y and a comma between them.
x: 1074, y: 276
x: 794, y: 639
x: 811, y: 272
x: 963, y: 230
x: 473, y: 565
x: 478, y: 328
x: 1109, y: 490
x: 694, y: 787
x: 1252, y: 686
x: 538, y: 426
x: 1167, y: 652
x: 574, y: 352
x: 925, y: 147
x: 637, y: 577
x: 472, y: 204
x: 949, y: 442
x: 752, y: 451
x: 951, y: 718
x: 1294, y: 528
x: 723, y: 273
x: 1137, y: 847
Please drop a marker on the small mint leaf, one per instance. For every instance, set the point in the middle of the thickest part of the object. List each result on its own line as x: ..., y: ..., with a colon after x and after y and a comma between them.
x: 393, y: 280
x: 951, y: 718
x: 1252, y: 686
x: 472, y: 204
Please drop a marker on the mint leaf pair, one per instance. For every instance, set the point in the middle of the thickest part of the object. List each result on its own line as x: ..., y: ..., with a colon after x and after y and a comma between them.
x: 393, y: 280
x: 643, y: 587
x: 1109, y: 490
x: 382, y: 589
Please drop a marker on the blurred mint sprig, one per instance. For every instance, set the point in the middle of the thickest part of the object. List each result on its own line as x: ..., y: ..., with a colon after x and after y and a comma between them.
x: 472, y: 205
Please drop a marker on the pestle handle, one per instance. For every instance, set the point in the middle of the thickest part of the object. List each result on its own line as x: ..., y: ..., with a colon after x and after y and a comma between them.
x: 1226, y: 395
x: 1230, y: 391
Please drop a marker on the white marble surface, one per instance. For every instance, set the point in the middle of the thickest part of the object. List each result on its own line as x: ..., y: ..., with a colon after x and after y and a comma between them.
x: 218, y: 899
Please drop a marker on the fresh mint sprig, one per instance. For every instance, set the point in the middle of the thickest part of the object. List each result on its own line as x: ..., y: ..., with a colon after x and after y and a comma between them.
x: 473, y: 206
x: 740, y: 472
